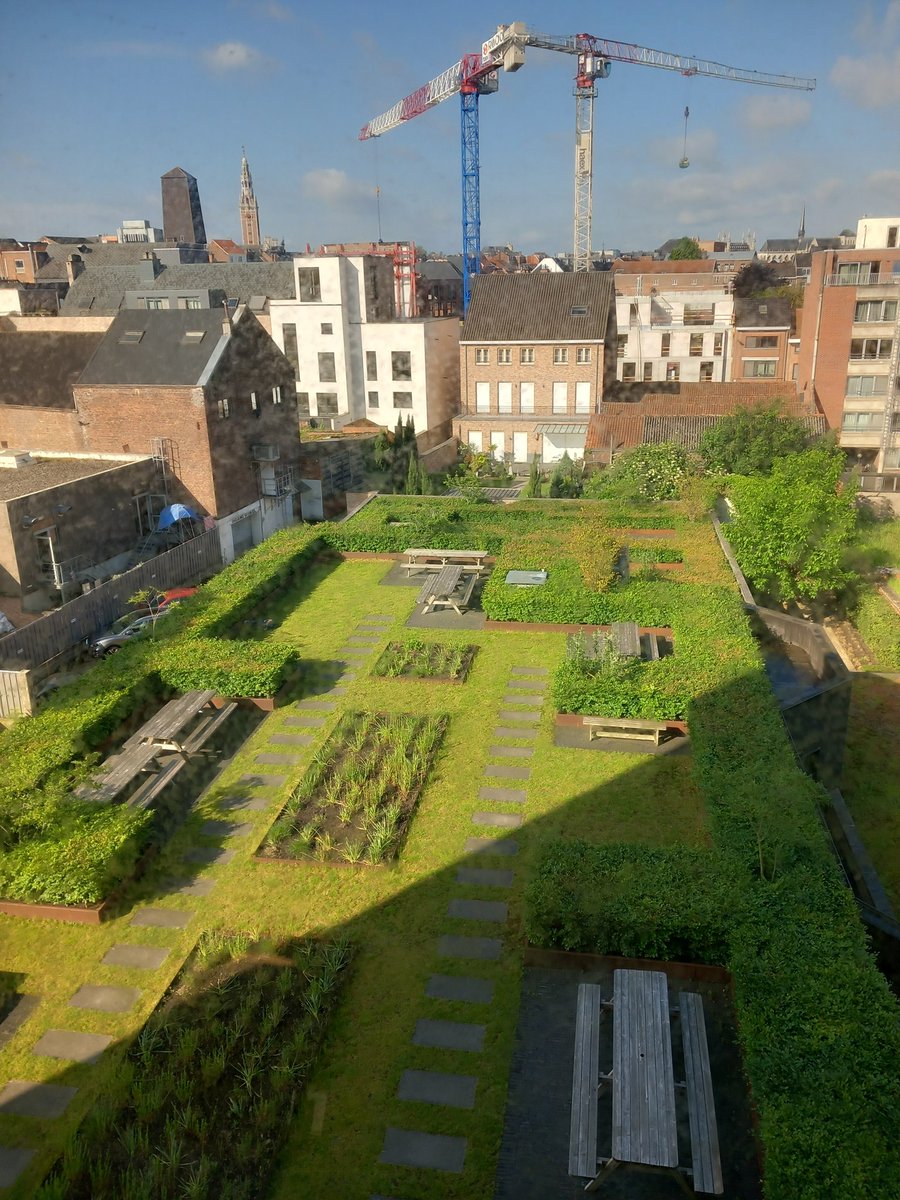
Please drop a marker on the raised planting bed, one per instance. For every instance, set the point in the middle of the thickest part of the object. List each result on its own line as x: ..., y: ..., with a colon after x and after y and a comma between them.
x: 204, y: 1099
x: 415, y: 659
x: 358, y: 795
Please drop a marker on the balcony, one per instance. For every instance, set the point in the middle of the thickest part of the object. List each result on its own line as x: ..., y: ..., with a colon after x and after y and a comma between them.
x: 883, y: 280
x: 282, y: 483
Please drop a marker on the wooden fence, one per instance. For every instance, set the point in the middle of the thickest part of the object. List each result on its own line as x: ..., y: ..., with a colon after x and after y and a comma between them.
x: 91, y: 614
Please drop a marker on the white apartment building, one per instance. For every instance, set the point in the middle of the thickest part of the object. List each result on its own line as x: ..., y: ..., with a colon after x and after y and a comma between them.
x: 669, y: 336
x: 354, y: 358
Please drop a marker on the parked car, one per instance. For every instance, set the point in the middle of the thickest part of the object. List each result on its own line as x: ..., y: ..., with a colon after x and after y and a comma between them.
x: 116, y: 638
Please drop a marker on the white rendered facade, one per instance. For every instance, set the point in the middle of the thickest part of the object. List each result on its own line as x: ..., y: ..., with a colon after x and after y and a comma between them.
x: 353, y: 359
x: 673, y: 336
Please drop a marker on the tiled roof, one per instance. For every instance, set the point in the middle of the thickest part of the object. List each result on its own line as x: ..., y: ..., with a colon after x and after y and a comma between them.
x: 538, y: 307
x: 774, y: 312
x: 101, y: 290
x: 39, y: 369
x: 655, y: 266
x: 162, y: 354
x: 48, y: 473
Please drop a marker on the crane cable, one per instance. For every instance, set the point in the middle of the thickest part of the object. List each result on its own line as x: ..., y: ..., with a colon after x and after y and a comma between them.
x: 685, y: 161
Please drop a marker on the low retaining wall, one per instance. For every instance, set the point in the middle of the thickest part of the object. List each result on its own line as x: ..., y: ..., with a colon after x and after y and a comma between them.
x: 90, y: 914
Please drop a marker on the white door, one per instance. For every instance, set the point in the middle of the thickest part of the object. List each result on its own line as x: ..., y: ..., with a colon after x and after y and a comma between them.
x: 520, y: 447
x: 311, y: 508
x: 558, y: 444
x: 242, y: 534
x: 476, y: 441
x: 498, y: 441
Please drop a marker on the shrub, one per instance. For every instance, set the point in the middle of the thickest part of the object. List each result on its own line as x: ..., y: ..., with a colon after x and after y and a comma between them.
x: 596, y: 551
x: 879, y: 627
x: 231, y: 668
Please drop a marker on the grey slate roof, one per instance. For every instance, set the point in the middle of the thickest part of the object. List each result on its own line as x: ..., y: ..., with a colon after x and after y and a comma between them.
x: 537, y: 307
x: 48, y: 473
x: 436, y: 270
x: 162, y: 356
x: 101, y: 290
x: 39, y: 369
x: 773, y: 312
x: 687, y: 431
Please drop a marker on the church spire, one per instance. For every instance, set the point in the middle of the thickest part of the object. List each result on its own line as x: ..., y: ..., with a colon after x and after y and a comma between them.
x: 801, y: 232
x: 249, y: 207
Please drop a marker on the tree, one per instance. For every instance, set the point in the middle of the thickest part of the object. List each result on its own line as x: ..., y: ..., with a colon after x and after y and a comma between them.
x: 754, y: 278
x: 792, y: 528
x: 412, y: 475
x: 426, y: 484
x: 153, y: 601
x: 748, y: 442
x: 381, y: 450
x: 535, y: 478
x: 686, y: 248
x: 409, y: 434
x: 566, y: 480
x: 648, y: 472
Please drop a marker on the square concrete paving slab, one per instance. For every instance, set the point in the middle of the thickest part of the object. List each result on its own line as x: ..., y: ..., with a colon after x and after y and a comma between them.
x: 526, y: 717
x: 244, y: 804
x: 463, y: 988
x: 77, y: 1047
x: 363, y: 639
x: 322, y: 704
x: 450, y: 1035
x: 291, y: 739
x: 504, y: 794
x: 103, y: 998
x: 302, y: 722
x: 437, y: 1087
x: 500, y: 847
x: 216, y: 828
x: 20, y: 1011
x: 355, y: 650
x: 507, y: 732
x: 484, y: 877
x: 529, y: 671
x: 190, y: 887
x: 408, y: 1148
x: 279, y: 760
x: 22, y: 1098
x: 510, y: 751
x: 261, y: 780
x: 523, y: 698
x: 14, y: 1160
x: 457, y: 946
x: 505, y: 771
x: 145, y: 958
x: 525, y: 684
x: 497, y: 820
x: 478, y: 910
x: 162, y: 918
x: 208, y: 856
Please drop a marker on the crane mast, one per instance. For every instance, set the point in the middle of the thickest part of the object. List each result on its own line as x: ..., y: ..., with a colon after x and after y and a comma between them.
x: 477, y: 74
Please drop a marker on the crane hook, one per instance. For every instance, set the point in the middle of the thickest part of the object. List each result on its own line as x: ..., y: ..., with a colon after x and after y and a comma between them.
x: 685, y: 161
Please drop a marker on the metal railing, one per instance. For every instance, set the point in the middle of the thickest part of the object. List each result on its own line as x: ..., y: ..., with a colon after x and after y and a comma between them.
x: 883, y: 280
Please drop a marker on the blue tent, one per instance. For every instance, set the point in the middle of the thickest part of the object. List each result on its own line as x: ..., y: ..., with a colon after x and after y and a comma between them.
x: 175, y: 512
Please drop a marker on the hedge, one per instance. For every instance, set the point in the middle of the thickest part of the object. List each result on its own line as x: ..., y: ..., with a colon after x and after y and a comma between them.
x: 232, y: 668
x: 879, y: 626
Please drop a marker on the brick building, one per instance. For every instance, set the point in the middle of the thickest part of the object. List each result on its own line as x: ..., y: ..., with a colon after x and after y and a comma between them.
x: 849, y: 342
x: 21, y: 261
x: 762, y: 345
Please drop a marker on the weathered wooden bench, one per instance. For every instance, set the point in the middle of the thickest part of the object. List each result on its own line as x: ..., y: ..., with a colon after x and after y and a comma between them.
x: 206, y: 727
x: 469, y: 560
x: 439, y: 591
x: 585, y: 1080
x: 626, y: 638
x: 144, y: 796
x: 118, y: 772
x: 624, y: 727
x: 706, y: 1163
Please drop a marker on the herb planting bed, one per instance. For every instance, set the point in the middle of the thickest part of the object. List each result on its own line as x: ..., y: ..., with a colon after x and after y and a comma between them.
x: 414, y: 659
x: 356, y: 800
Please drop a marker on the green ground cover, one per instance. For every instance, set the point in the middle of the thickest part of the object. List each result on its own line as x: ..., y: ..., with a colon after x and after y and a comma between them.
x: 416, y: 659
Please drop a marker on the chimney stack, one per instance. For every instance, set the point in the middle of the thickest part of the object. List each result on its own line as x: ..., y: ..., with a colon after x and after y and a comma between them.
x: 227, y: 327
x: 74, y: 267
x: 148, y: 267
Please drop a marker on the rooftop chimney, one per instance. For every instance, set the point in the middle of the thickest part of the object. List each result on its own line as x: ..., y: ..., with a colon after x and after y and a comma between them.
x: 74, y: 267
x: 148, y: 267
x: 227, y: 327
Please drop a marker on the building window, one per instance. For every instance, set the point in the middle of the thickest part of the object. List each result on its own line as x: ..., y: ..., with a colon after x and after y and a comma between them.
x: 371, y: 365
x: 222, y: 406
x: 718, y: 340
x: 871, y: 348
x: 481, y: 357
x: 373, y: 399
x: 254, y: 404
x: 327, y: 404
x: 504, y: 397
x: 875, y: 310
x: 526, y: 356
x: 560, y: 397
x: 192, y: 302
x: 401, y: 366
x: 762, y: 343
x: 46, y: 548
x: 706, y: 372
x: 648, y: 372
x: 582, y: 397
x: 621, y: 345
x: 289, y: 333
x: 760, y: 368
x: 402, y: 399
x: 276, y: 394
x: 526, y: 397
x: 326, y: 327
x: 308, y: 286
x: 665, y: 344
x: 673, y: 372
x: 794, y: 372
x: 482, y: 397
x: 504, y: 356
x: 154, y: 302
x: 560, y: 355
x: 303, y: 403
x: 628, y: 372
x: 867, y: 385
x: 892, y: 236
x: 583, y: 354
x: 696, y: 345
x: 20, y: 264
x: 326, y: 367
x: 861, y: 420
x: 856, y: 272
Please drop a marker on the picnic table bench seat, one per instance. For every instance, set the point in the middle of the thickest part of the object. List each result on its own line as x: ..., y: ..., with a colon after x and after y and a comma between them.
x: 706, y: 1162
x: 143, y: 796
x: 585, y: 1078
x: 439, y: 590
x: 117, y: 772
x: 624, y: 727
x: 626, y: 638
x: 469, y: 560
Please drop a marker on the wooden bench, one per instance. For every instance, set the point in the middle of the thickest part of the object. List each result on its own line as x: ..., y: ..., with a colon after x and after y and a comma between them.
x: 585, y: 1080
x: 439, y: 590
x: 148, y: 791
x: 706, y: 1163
x: 200, y: 735
x: 626, y: 638
x: 118, y: 772
x: 624, y: 727
x: 469, y: 560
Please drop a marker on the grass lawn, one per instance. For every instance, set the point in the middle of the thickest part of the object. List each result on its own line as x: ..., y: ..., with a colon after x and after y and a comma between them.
x: 871, y: 771
x: 393, y: 915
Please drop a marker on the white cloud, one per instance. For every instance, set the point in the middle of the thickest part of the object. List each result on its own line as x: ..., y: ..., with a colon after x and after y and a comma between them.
x: 328, y: 185
x: 234, y: 56
x: 872, y: 80
x: 765, y: 114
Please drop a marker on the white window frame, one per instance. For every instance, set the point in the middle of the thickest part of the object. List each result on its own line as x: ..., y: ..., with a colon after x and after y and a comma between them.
x: 751, y: 366
x: 504, y: 398
x: 866, y: 385
x: 583, y: 355
x: 526, y: 397
x: 481, y: 356
x: 560, y: 355
x: 276, y: 394
x: 504, y: 356
x: 582, y: 397
x: 482, y: 397
x: 526, y: 356
x: 560, y: 402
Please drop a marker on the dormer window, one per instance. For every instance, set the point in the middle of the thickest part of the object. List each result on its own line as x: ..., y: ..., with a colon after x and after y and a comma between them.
x: 193, y: 337
x: 131, y: 337
x: 578, y: 310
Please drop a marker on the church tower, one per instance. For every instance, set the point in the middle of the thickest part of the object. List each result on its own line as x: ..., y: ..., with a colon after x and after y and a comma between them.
x: 801, y: 232
x: 249, y: 208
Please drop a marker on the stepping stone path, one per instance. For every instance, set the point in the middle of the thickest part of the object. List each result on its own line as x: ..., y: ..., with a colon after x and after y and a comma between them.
x: 14, y: 1160
x: 408, y: 1148
x: 22, y: 1098
x: 510, y: 751
x: 268, y: 759
x: 504, y: 794
x: 503, y: 847
x: 460, y: 988
x: 484, y: 877
x: 195, y: 887
x: 208, y: 856
x: 304, y: 722
x: 505, y: 771
x: 244, y: 804
x: 530, y: 718
x: 99, y: 998
x: 162, y: 918
x: 77, y: 1047
x: 450, y: 1035
x: 294, y: 739
x: 433, y: 1087
x: 497, y: 820
x: 146, y: 958
x: 451, y: 946
x: 248, y: 781
x: 505, y: 732
x: 478, y: 910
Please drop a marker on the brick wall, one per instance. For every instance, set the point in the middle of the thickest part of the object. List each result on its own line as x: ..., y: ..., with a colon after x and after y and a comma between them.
x: 543, y: 373
x: 24, y: 428
x: 741, y: 352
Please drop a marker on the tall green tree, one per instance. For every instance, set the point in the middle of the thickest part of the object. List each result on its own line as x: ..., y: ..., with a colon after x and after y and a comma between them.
x: 754, y: 278
x: 535, y: 478
x: 567, y: 478
x: 686, y: 248
x: 409, y: 433
x: 748, y: 442
x: 792, y: 529
x: 412, y: 475
x: 648, y: 472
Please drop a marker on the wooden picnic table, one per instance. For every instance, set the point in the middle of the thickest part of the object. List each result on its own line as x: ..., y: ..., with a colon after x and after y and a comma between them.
x: 119, y: 771
x: 165, y: 728
x: 440, y: 591
x: 418, y: 558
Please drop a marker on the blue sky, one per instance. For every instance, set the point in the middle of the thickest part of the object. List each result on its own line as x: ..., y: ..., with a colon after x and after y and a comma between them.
x: 103, y: 97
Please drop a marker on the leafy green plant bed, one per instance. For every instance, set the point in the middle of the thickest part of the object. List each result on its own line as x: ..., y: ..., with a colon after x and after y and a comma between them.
x: 203, y: 1101
x: 654, y: 554
x: 358, y: 796
x: 415, y: 659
